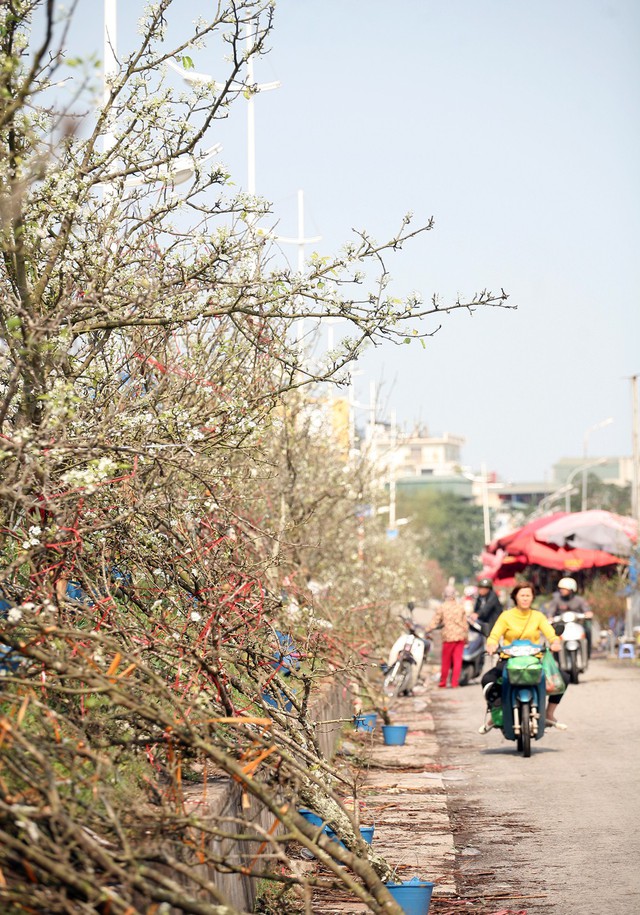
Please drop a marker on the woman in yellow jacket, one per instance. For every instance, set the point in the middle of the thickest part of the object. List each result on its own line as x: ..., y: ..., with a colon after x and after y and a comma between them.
x: 520, y: 622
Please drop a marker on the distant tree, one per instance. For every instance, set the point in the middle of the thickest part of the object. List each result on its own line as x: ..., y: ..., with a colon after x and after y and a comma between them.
x: 606, y: 597
x: 606, y: 496
x: 436, y: 577
x: 448, y: 529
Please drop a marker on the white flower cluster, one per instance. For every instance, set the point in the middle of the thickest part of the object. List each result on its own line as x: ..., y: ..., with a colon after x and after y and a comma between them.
x: 94, y: 472
x: 34, y: 537
x: 22, y: 435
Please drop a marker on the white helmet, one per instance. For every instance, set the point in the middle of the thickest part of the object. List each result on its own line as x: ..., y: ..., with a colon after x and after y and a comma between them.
x: 568, y: 584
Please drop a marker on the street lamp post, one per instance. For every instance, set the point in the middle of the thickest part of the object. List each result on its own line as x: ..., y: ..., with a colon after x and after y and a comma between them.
x: 545, y: 503
x: 581, y: 469
x: 110, y: 61
x: 300, y: 241
x: 181, y: 169
x: 600, y: 425
x: 567, y: 490
x: 191, y: 76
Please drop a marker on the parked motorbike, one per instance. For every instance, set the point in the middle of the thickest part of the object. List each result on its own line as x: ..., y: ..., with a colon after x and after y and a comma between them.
x: 474, y: 654
x: 574, y: 654
x: 406, y: 658
x: 521, y: 716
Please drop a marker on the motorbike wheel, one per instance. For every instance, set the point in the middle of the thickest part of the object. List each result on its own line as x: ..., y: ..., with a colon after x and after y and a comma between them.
x: 574, y: 673
x: 524, y: 739
x: 388, y: 684
x: 406, y: 679
x: 464, y: 677
x: 397, y: 680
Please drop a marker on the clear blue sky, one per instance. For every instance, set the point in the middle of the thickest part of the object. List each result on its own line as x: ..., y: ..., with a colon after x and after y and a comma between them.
x: 517, y: 127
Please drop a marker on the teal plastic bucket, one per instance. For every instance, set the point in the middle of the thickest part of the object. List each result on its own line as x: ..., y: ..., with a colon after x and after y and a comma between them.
x: 394, y: 735
x: 366, y: 722
x: 414, y: 896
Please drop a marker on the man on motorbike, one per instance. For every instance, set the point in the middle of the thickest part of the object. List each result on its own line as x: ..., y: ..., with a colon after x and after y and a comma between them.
x: 487, y: 607
x: 566, y: 599
x: 519, y: 622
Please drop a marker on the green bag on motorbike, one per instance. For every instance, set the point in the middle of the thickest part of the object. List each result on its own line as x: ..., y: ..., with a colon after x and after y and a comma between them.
x: 526, y: 671
x: 553, y: 678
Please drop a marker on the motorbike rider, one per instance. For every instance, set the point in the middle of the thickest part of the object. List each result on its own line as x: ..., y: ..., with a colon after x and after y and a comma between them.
x: 567, y: 599
x: 487, y: 607
x: 520, y: 622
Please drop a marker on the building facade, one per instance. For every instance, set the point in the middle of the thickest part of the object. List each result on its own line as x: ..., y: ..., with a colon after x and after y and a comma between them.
x: 414, y: 454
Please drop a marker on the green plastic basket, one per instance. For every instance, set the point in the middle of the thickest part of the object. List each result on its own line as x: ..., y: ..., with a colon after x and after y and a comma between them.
x: 525, y: 671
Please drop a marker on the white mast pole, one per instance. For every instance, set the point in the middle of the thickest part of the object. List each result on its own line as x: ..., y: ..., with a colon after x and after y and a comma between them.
x: 251, y: 120
x: 110, y: 64
x: 300, y: 241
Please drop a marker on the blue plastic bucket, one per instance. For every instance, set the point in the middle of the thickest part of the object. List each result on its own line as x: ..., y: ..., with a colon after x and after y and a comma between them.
x: 284, y: 702
x: 366, y: 722
x: 365, y: 831
x: 311, y: 817
x: 394, y: 735
x: 414, y: 896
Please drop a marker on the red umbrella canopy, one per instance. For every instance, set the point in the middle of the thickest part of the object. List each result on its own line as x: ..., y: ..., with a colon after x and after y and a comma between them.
x: 592, y: 530
x: 511, y: 542
x: 528, y: 546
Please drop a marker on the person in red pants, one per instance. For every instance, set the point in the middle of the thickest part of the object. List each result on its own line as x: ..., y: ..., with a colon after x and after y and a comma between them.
x: 452, y: 619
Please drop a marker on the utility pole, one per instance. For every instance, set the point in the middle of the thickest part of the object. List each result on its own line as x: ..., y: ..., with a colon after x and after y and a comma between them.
x: 392, y: 477
x: 633, y: 600
x: 485, y: 503
x: 635, y: 442
x: 483, y: 482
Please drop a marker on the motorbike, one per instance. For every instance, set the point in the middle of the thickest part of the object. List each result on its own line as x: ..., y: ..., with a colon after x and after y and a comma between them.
x: 521, y: 716
x: 574, y: 654
x: 474, y: 654
x: 406, y: 658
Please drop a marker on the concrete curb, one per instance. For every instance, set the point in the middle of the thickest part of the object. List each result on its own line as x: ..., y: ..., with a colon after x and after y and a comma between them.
x: 403, y: 793
x: 405, y: 790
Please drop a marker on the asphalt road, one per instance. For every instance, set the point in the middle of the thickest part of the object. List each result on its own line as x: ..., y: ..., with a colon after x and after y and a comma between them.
x: 558, y: 832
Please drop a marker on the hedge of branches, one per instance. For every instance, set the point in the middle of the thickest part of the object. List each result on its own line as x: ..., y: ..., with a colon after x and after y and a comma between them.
x: 186, y: 561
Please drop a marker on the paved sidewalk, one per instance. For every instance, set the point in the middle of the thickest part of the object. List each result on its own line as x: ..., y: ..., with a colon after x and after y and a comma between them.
x: 404, y: 791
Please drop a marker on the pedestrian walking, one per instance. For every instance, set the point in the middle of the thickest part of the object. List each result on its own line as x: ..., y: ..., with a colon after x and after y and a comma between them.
x: 452, y: 619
